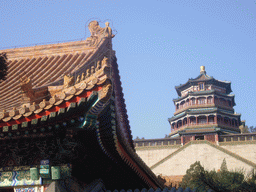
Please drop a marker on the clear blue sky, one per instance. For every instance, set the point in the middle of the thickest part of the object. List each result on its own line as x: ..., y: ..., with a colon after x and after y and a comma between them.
x: 159, y: 45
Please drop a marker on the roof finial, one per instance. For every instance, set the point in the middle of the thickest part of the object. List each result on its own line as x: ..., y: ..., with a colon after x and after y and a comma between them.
x: 202, y: 69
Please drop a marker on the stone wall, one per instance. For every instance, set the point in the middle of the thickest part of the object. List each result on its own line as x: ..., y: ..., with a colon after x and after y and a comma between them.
x: 171, y: 160
x: 152, y: 155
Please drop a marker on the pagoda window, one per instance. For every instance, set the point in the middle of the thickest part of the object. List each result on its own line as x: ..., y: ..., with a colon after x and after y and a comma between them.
x: 218, y: 119
x: 210, y: 99
x: 201, y: 86
x: 226, y: 121
x: 201, y: 100
x: 229, y: 103
x: 211, y: 119
x: 193, y: 101
x: 202, y: 120
x: 178, y: 106
x: 179, y: 124
x: 182, y: 104
x: 233, y: 122
x: 187, y: 102
x: 222, y: 101
x: 185, y: 121
x: 192, y: 120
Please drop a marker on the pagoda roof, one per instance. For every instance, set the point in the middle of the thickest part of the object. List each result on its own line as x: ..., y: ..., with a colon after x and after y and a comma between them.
x: 59, y: 84
x: 203, y: 77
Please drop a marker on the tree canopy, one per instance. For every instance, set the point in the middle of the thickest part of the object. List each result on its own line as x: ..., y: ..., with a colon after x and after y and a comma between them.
x: 252, y: 129
x: 199, y: 179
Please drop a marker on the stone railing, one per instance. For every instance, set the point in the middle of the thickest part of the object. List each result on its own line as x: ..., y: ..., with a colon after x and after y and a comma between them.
x: 156, y: 142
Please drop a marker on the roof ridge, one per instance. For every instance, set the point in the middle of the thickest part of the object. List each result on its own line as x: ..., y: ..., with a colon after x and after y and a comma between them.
x: 50, y: 49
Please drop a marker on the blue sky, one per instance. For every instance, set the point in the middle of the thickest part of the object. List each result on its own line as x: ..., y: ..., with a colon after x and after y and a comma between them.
x: 159, y: 45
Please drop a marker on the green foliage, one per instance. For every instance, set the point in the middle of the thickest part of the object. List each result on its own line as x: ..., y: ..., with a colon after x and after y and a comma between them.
x: 252, y: 129
x: 3, y: 66
x: 199, y: 179
x: 223, y: 166
x: 244, y: 129
x: 193, y: 176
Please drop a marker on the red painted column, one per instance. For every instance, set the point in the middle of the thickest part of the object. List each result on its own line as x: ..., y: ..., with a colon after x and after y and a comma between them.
x: 215, y: 119
x: 182, y: 140
x: 207, y: 119
x: 217, y: 139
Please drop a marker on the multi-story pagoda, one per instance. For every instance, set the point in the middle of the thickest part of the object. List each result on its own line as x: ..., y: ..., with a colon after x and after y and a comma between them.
x: 204, y: 109
x: 63, y: 122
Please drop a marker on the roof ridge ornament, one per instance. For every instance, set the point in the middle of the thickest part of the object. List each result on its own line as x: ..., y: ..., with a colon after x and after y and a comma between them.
x: 108, y: 31
x: 202, y: 70
x: 68, y: 81
x: 28, y: 94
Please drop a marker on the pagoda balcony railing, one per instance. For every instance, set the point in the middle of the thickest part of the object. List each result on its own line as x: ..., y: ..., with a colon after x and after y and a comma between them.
x: 206, y: 124
x: 204, y: 105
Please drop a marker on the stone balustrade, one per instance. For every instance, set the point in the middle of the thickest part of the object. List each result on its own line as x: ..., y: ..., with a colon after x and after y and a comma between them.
x: 156, y: 142
x: 177, y: 141
x: 238, y: 137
